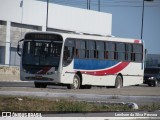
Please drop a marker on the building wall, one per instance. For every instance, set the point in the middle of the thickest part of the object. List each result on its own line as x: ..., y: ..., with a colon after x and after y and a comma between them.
x: 30, y: 12
x: 2, y: 41
x: 2, y: 54
x: 19, y: 30
x: 2, y: 32
x: 20, y: 16
x: 23, y: 17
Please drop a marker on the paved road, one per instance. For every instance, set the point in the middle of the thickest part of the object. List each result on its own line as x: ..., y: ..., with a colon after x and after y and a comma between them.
x: 139, y: 94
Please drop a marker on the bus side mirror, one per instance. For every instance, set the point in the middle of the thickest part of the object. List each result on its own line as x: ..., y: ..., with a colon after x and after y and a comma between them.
x: 18, y: 47
x: 18, y: 50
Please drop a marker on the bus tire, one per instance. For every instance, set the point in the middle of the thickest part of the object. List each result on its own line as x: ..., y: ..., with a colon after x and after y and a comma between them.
x: 155, y: 83
x: 118, y: 82
x: 40, y: 85
x: 76, y: 83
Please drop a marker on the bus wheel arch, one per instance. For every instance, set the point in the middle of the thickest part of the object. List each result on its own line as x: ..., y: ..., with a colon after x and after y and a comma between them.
x: 77, y: 81
x: 80, y: 76
x: 119, y: 81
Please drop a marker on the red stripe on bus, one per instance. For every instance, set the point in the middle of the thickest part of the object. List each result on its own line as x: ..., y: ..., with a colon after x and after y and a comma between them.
x: 113, y: 70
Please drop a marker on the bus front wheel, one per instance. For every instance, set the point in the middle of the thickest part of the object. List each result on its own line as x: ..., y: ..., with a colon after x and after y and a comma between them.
x: 40, y: 85
x: 118, y: 82
x: 76, y: 83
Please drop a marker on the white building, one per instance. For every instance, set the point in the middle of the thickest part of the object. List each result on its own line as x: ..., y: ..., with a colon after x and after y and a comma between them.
x: 20, y: 16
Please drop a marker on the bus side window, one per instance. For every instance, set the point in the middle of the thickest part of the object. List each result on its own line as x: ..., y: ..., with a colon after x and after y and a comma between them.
x: 106, y: 54
x: 82, y: 51
x: 76, y: 53
x: 107, y: 50
x: 110, y: 50
x: 115, y: 51
x: 77, y: 49
x: 68, y: 52
x: 120, y: 48
x: 128, y: 51
x: 138, y: 51
x: 90, y: 49
x: 133, y: 53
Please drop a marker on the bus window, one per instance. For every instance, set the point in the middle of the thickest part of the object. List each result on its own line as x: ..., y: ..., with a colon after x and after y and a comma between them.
x: 68, y: 52
x: 100, y: 49
x: 106, y: 54
x: 76, y: 53
x: 128, y: 51
x: 91, y: 49
x: 110, y: 50
x: 121, y: 51
x: 137, y: 49
x: 82, y: 49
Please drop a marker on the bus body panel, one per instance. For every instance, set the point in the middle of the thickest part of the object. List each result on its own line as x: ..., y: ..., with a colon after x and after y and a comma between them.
x: 54, y: 78
x: 133, y: 74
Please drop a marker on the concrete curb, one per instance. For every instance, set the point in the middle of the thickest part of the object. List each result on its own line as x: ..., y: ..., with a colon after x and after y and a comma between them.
x: 10, y: 81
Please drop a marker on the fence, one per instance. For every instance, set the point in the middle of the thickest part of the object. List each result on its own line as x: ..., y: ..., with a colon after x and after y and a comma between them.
x: 14, y: 59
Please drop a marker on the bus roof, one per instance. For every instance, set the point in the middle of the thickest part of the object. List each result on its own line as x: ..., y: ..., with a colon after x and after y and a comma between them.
x: 91, y: 37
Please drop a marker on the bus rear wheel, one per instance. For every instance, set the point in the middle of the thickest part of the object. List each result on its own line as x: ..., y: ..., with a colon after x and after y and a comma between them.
x: 118, y: 82
x: 155, y: 83
x: 76, y: 83
x: 40, y: 85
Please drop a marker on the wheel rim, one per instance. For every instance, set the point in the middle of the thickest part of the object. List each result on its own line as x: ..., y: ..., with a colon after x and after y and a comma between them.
x: 118, y: 82
x: 156, y: 83
x: 75, y: 82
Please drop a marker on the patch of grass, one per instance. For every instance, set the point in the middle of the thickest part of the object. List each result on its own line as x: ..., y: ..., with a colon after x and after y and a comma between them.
x: 8, y: 103
x: 152, y: 107
x: 39, y: 104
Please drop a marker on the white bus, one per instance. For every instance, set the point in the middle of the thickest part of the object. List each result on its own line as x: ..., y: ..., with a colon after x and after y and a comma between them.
x: 80, y: 61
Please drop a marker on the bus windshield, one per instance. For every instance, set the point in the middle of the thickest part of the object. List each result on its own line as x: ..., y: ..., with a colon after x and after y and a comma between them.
x: 42, y: 53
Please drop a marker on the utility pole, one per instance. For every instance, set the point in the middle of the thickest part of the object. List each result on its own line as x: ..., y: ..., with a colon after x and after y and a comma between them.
x: 47, y: 15
x: 143, y: 16
x: 89, y: 4
x: 99, y: 5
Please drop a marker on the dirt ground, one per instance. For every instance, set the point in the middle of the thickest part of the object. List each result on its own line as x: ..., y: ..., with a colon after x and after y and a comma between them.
x: 8, y: 73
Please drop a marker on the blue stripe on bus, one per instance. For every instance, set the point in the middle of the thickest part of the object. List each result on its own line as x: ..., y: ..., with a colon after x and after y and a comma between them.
x: 92, y: 64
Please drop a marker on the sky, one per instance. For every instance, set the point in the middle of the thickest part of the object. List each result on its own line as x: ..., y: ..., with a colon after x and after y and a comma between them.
x: 127, y: 18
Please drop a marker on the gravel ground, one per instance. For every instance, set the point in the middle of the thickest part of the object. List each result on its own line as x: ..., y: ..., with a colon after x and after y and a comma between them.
x: 8, y: 73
